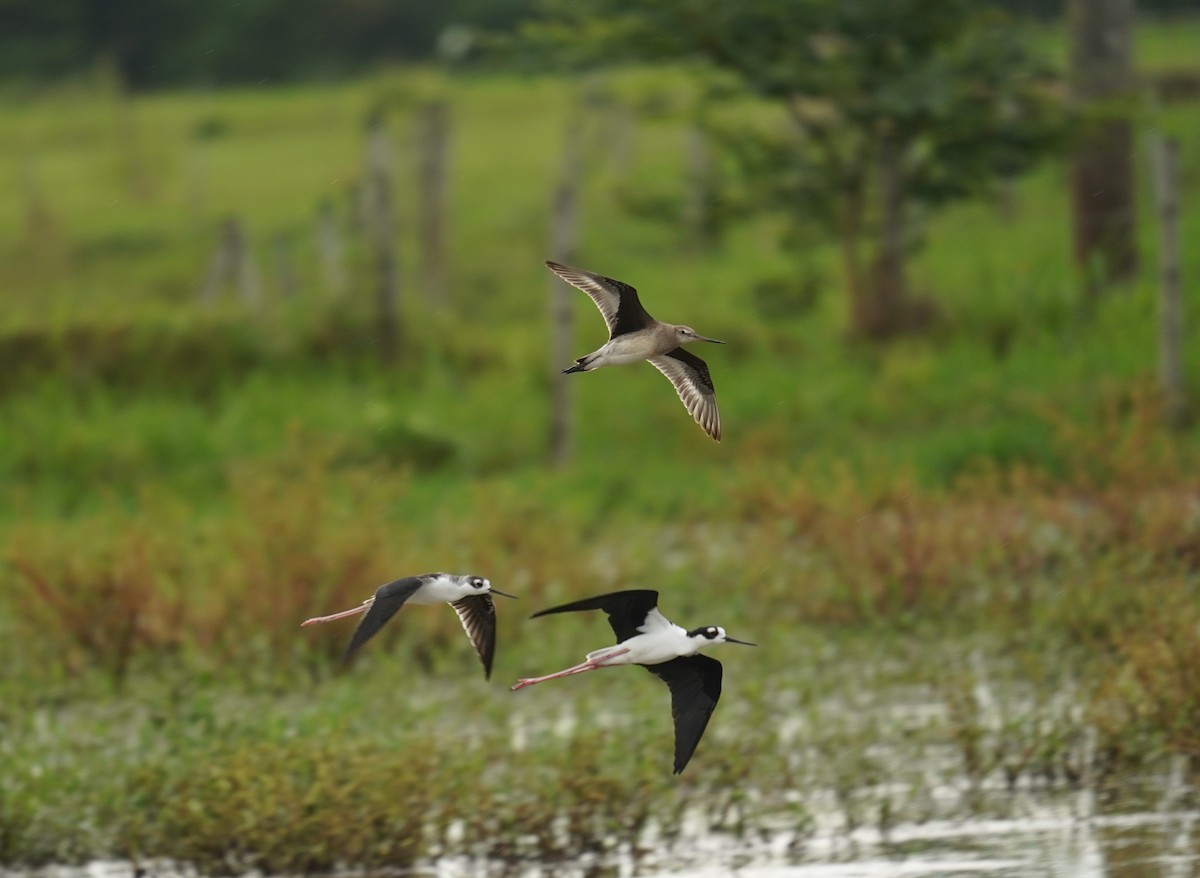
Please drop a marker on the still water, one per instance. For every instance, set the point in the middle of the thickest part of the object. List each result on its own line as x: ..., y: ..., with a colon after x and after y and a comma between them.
x: 1062, y: 838
x: 1143, y: 829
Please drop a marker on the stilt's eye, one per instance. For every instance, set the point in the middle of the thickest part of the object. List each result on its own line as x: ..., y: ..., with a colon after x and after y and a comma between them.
x: 477, y: 582
x: 711, y: 632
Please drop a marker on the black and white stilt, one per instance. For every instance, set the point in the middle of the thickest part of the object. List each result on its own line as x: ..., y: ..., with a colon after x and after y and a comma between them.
x: 471, y: 597
x: 645, y: 637
x: 634, y: 336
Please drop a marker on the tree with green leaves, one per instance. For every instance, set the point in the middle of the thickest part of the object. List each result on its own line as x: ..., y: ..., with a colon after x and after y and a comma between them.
x: 889, y: 108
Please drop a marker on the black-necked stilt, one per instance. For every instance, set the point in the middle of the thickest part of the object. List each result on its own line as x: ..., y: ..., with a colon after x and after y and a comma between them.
x: 634, y: 336
x: 471, y: 597
x: 645, y: 637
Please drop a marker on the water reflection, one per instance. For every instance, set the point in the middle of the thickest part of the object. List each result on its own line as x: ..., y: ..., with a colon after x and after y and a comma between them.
x: 1047, y: 836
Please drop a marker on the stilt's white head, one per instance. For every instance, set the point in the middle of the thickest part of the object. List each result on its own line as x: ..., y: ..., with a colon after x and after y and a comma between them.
x: 474, y: 585
x: 712, y: 635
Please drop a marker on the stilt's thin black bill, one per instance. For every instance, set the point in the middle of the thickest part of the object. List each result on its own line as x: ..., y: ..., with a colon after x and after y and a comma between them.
x: 742, y: 642
x: 503, y: 594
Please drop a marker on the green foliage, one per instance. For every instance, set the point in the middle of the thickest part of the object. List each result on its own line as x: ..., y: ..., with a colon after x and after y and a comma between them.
x: 222, y: 42
x: 883, y: 108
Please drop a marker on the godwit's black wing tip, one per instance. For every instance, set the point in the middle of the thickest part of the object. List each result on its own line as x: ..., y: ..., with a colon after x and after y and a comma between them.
x: 389, y: 599
x: 477, y: 613
x: 627, y: 610
x: 695, y: 684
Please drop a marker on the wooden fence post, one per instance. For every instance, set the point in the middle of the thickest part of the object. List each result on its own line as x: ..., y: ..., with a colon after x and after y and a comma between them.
x: 433, y: 152
x: 701, y: 193
x: 1164, y: 158
x: 232, y: 262
x: 622, y: 141
x: 564, y: 231
x: 285, y: 267
x: 330, y: 249
x: 382, y: 226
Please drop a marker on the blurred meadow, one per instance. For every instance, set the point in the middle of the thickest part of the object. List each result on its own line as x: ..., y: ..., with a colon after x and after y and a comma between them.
x: 989, y: 520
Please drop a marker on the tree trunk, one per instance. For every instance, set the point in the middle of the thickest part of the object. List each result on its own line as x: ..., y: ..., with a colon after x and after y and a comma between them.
x: 1102, y: 167
x: 888, y: 281
x: 850, y: 245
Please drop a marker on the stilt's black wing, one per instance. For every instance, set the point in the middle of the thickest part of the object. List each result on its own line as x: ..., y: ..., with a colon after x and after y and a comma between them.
x: 388, y: 599
x: 477, y: 612
x: 695, y: 684
x: 627, y: 610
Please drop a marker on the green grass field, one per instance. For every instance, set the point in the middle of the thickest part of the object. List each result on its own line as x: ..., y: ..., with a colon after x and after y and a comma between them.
x: 181, y: 486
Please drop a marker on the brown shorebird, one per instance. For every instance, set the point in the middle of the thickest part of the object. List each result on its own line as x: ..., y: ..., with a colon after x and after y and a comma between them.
x: 671, y: 653
x: 471, y: 597
x: 634, y: 335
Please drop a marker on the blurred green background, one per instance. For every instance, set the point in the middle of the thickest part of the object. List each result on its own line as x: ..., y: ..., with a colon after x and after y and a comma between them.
x: 948, y: 455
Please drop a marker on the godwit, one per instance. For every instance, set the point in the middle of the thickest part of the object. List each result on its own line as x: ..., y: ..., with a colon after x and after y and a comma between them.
x: 634, y: 336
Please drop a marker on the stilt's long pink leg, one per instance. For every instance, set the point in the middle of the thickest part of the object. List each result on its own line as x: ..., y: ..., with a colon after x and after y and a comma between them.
x: 366, y: 605
x: 589, y: 665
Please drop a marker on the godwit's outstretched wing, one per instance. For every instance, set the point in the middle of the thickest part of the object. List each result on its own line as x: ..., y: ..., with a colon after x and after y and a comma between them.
x: 618, y: 302
x: 694, y: 385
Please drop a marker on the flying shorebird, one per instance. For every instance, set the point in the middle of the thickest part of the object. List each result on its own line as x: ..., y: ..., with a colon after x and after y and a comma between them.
x: 471, y: 597
x: 646, y: 638
x: 634, y: 335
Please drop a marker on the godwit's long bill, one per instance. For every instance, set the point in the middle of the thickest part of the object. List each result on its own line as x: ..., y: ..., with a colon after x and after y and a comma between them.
x: 471, y: 597
x: 635, y: 336
x: 671, y: 653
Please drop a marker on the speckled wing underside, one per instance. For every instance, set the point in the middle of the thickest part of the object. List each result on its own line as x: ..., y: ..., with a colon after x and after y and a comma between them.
x: 618, y: 302
x: 689, y: 374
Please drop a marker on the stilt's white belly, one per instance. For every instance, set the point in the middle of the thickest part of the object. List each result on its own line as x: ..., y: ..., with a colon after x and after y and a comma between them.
x: 650, y: 649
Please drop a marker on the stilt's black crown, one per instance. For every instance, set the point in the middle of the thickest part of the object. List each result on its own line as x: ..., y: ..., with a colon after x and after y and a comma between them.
x: 711, y: 632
